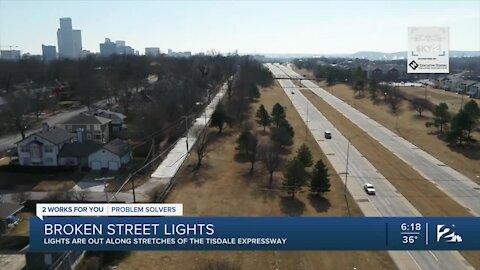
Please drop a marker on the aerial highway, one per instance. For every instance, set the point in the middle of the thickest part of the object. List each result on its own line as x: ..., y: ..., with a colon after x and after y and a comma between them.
x: 387, y: 202
x: 456, y: 185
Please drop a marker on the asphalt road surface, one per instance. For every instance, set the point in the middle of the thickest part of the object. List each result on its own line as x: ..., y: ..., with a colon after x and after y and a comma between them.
x: 387, y: 202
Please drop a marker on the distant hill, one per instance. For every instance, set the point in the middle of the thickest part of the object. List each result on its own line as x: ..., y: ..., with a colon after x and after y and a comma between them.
x: 372, y: 55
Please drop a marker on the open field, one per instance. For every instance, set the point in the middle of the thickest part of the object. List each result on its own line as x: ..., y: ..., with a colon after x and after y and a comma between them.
x: 420, y: 192
x: 223, y: 187
x: 464, y: 159
x: 437, y: 96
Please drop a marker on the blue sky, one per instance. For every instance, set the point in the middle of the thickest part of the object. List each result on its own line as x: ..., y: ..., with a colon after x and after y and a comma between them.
x: 246, y: 26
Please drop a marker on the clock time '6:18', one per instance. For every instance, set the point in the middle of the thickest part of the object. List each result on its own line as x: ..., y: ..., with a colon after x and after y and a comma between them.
x: 415, y: 227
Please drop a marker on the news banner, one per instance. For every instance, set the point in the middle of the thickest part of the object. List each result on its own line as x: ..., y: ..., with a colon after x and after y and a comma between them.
x: 116, y: 227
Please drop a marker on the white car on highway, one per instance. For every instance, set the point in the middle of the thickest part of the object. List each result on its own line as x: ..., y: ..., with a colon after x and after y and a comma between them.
x: 369, y: 189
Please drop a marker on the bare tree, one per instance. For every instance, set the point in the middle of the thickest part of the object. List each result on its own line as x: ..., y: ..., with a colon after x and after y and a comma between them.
x: 38, y: 102
x: 18, y: 108
x: 420, y: 104
x: 270, y: 155
x: 394, y: 99
x: 201, y: 146
x: 253, y: 151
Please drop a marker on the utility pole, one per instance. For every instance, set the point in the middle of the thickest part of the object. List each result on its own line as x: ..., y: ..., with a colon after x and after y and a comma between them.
x: 396, y: 121
x: 186, y: 130
x: 133, y: 188
x: 206, y: 117
x: 461, y: 104
x: 306, y: 126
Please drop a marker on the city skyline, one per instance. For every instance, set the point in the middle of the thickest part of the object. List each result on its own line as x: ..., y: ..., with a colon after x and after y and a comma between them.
x: 260, y: 27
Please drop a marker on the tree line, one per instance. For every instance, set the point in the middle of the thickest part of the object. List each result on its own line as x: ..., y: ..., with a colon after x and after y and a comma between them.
x: 242, y: 90
x: 180, y: 86
x: 271, y: 153
x: 455, y: 128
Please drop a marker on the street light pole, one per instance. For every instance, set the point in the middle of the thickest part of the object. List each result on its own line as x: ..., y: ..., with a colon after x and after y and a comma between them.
x: 307, y: 112
x: 346, y: 169
x: 396, y: 121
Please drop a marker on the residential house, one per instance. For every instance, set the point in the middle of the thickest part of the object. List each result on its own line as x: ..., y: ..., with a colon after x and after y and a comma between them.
x: 464, y: 85
x: 111, y: 156
x: 393, y: 74
x: 439, y: 82
x: 76, y: 154
x: 376, y: 73
x: 118, y: 119
x: 41, y: 148
x: 452, y: 81
x: 474, y: 90
x: 88, y: 127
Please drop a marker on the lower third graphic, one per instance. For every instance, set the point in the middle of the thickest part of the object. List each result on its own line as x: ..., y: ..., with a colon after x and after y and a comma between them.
x: 447, y: 234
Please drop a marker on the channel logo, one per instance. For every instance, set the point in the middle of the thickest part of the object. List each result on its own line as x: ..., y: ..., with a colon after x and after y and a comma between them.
x: 447, y: 234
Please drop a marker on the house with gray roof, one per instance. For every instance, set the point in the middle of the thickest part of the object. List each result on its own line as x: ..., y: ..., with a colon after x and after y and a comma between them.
x: 464, y: 85
x: 474, y: 90
x: 42, y: 148
x: 118, y: 119
x: 112, y: 156
x: 88, y: 128
x: 76, y: 154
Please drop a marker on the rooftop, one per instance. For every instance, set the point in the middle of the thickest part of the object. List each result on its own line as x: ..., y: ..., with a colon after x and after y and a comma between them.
x: 109, y: 114
x: 86, y: 119
x: 79, y: 149
x: 118, y: 147
x: 54, y: 135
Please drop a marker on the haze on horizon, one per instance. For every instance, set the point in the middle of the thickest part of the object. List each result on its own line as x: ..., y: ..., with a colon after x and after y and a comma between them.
x: 318, y: 27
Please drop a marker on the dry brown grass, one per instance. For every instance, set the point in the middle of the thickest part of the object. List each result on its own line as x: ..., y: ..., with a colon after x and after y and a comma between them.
x: 437, y: 96
x: 223, y: 187
x: 412, y: 128
x: 420, y: 192
x: 58, y: 185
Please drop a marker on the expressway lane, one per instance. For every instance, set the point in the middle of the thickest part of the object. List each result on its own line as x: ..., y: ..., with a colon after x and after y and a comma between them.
x: 387, y: 202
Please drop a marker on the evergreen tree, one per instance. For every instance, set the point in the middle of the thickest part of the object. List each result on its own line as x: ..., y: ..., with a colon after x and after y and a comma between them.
x: 296, y: 176
x: 320, y: 182
x: 305, y: 155
x: 441, y: 116
x: 253, y: 92
x: 278, y: 113
x: 220, y: 118
x: 263, y: 118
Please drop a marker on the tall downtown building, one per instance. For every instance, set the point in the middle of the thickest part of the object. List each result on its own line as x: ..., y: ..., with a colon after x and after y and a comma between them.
x: 69, y: 40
